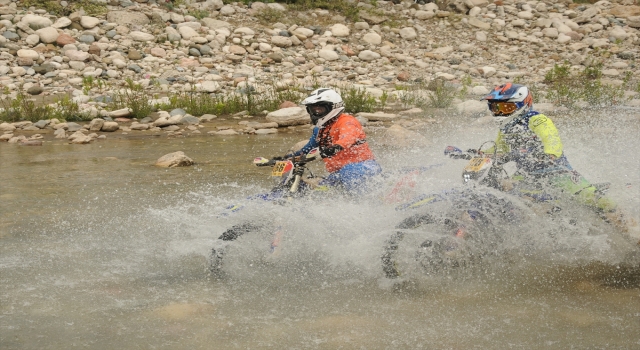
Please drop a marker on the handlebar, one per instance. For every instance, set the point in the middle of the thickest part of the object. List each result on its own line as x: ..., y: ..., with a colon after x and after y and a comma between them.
x: 298, y: 161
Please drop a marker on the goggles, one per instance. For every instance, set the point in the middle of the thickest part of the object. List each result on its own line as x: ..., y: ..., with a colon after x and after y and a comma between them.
x: 319, y: 109
x: 502, y: 108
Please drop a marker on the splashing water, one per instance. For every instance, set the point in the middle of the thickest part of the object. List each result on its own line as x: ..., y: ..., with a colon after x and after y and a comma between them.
x: 108, y: 252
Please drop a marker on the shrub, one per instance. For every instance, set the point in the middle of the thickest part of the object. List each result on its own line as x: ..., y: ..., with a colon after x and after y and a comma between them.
x: 565, y: 87
x: 22, y: 107
x: 134, y: 97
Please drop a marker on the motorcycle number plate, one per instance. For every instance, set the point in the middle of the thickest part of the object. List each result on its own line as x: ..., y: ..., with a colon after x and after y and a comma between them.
x: 281, y: 167
x: 476, y: 164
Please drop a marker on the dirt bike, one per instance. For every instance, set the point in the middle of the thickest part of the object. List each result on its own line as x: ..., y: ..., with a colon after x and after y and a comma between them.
x: 291, y: 185
x: 288, y: 174
x: 455, y: 227
x: 461, y: 226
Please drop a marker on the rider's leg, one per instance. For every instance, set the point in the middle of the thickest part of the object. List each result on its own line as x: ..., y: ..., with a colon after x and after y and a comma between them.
x: 583, y: 190
x: 588, y: 194
x: 354, y: 176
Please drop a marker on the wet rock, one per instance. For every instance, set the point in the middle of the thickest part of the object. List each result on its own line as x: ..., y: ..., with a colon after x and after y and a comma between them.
x: 72, y: 127
x: 224, y: 132
x: 177, y: 111
x: 35, y: 90
x: 5, y: 137
x: 96, y: 124
x: 17, y: 139
x: 175, y: 159
x: 398, y: 136
x: 7, y: 127
x: 378, y: 116
x: 110, y: 126
x: 289, y: 116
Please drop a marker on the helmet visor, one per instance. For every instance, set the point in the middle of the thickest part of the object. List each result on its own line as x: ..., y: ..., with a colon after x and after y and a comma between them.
x: 319, y: 109
x: 502, y: 108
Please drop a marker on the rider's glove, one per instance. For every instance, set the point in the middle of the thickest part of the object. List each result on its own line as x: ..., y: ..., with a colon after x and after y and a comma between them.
x: 547, y: 159
x: 328, y: 152
x: 475, y: 151
x: 286, y: 156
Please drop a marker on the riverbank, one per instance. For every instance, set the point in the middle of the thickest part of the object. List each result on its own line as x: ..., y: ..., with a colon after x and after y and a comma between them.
x: 118, y: 60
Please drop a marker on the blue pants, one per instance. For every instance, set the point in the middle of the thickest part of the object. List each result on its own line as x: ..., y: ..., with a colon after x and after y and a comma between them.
x: 353, y: 177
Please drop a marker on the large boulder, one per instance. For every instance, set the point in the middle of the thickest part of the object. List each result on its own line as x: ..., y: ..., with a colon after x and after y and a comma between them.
x: 340, y: 30
x: 110, y: 127
x: 397, y: 136
x: 377, y: 116
x: 36, y: 22
x: 141, y: 36
x: 173, y: 160
x: 472, y: 107
x: 47, y: 35
x: 289, y: 116
x: 126, y: 18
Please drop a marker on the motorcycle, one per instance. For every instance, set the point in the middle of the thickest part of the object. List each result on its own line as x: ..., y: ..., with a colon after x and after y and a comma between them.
x: 463, y: 226
x: 288, y: 174
x: 292, y: 184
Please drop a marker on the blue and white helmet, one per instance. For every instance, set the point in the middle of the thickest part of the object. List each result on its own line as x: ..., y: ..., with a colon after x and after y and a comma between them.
x: 509, y: 103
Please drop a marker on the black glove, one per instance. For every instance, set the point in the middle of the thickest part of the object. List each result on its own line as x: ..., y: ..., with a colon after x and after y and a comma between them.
x: 286, y: 156
x: 328, y: 152
x: 474, y: 151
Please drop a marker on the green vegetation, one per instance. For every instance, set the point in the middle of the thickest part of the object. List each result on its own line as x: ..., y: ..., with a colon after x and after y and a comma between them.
x: 199, y: 14
x: 565, y: 87
x: 438, y: 93
x: 270, y: 16
x: 91, y: 8
x: 442, y: 94
x: 134, y: 97
x: 24, y: 107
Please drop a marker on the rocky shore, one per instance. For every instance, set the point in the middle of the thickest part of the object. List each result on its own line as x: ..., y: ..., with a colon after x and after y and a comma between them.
x: 217, y: 47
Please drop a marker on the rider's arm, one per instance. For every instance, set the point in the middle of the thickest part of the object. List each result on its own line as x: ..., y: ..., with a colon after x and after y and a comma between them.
x: 501, y: 145
x: 547, y: 133
x: 310, y: 145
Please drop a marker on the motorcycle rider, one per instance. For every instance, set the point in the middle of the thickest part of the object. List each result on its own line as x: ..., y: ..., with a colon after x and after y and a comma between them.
x: 341, y: 141
x: 531, y: 140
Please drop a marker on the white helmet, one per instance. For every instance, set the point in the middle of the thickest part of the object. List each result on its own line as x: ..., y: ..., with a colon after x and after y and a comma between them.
x: 321, y: 102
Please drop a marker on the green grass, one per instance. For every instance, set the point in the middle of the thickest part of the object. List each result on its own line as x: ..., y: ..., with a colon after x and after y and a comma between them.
x: 53, y: 6
x: 23, y: 107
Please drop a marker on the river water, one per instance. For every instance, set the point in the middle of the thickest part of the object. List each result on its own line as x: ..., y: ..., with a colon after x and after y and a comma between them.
x: 100, y: 249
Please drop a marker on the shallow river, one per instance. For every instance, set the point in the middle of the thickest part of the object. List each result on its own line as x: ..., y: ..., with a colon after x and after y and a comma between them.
x: 100, y: 249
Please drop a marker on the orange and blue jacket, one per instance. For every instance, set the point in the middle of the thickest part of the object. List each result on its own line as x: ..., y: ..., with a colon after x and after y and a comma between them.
x: 346, y: 131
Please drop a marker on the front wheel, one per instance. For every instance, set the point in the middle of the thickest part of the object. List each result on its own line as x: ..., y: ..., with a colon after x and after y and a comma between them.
x: 224, y: 242
x: 424, y: 244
